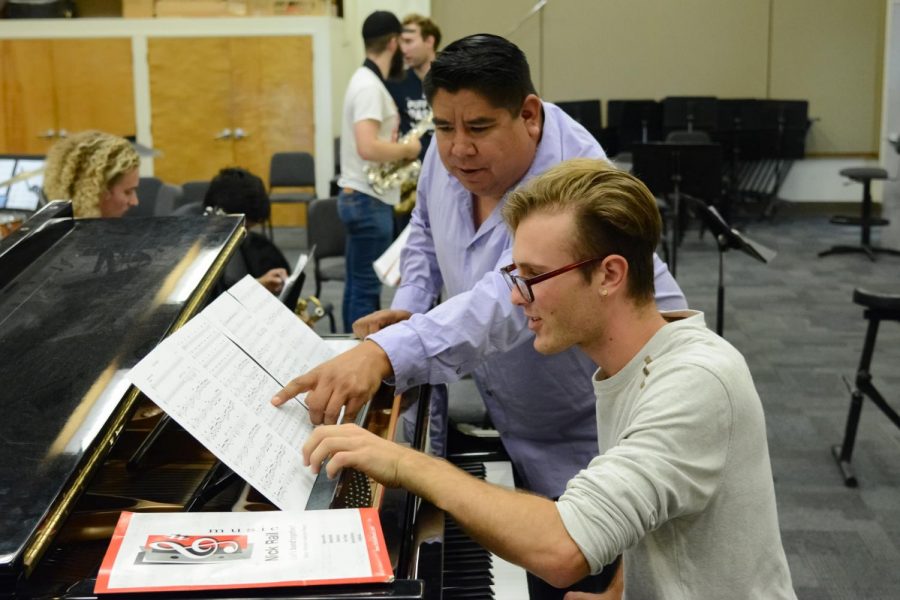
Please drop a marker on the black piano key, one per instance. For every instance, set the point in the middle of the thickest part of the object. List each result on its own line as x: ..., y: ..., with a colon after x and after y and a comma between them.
x: 467, y: 566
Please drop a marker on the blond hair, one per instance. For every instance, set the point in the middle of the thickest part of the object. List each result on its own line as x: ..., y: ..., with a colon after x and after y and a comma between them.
x: 613, y: 212
x: 83, y: 166
x: 427, y: 27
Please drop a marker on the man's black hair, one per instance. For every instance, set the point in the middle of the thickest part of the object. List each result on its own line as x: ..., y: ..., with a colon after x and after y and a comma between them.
x: 487, y: 64
x: 236, y: 190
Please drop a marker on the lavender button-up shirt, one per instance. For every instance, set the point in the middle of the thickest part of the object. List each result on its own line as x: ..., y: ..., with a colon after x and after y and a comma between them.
x: 543, y: 406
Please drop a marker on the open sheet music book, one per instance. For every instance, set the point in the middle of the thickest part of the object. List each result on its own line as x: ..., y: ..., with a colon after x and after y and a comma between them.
x: 166, y: 552
x: 216, y: 377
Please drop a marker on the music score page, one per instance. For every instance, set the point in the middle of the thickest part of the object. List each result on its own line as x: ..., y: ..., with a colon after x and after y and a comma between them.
x: 216, y: 377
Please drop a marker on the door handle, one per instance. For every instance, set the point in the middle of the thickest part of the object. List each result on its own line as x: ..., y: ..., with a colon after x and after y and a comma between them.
x: 223, y: 135
x: 62, y: 133
x: 50, y: 133
x: 240, y: 134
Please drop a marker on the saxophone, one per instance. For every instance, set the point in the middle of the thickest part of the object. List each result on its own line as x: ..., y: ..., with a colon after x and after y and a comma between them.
x: 396, y: 174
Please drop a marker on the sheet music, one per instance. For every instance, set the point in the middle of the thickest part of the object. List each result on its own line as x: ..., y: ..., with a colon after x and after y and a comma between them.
x: 295, y: 275
x: 216, y: 377
x: 387, y: 266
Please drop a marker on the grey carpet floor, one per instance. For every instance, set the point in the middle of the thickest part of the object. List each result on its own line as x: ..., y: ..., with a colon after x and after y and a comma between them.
x: 796, y: 324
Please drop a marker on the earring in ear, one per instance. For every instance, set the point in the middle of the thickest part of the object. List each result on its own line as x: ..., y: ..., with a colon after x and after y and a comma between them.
x: 603, y: 292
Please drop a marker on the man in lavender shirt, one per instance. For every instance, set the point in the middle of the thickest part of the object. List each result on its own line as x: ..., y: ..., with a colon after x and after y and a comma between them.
x: 492, y: 134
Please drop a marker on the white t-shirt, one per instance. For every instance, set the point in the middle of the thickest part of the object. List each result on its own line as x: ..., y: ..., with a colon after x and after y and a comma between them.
x: 366, y: 98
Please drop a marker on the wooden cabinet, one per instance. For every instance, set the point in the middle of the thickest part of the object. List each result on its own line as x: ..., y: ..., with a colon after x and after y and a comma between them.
x: 228, y: 101
x: 49, y: 87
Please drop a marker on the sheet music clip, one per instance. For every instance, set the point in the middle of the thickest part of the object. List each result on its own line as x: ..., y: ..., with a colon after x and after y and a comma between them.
x: 727, y: 239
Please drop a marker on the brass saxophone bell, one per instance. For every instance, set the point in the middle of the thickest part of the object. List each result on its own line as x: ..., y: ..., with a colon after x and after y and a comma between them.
x: 394, y: 174
x: 309, y: 310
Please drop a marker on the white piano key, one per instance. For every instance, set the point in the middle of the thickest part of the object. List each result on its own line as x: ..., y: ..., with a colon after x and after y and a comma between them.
x: 509, y: 579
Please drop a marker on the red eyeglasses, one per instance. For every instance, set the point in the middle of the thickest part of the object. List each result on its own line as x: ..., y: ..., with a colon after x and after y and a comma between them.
x: 523, y: 284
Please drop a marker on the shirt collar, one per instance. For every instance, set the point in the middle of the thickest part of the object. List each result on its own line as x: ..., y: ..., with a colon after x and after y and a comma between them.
x: 370, y: 64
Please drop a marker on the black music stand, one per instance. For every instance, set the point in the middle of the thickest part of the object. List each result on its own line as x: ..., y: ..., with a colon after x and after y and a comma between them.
x: 634, y: 122
x: 726, y: 239
x: 586, y: 112
x: 784, y: 125
x: 672, y: 170
x: 738, y: 129
x: 689, y: 113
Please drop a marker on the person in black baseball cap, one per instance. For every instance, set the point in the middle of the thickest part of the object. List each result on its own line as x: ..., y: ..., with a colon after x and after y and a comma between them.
x: 379, y: 23
x: 368, y: 132
x: 378, y: 30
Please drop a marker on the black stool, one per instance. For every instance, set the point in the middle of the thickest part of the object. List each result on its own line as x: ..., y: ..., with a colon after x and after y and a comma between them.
x: 864, y: 175
x: 879, y: 307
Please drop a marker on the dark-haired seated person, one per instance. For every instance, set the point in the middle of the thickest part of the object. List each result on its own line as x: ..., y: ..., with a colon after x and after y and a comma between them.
x: 236, y: 190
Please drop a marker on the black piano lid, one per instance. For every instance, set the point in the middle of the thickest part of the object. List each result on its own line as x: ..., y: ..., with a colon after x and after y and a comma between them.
x: 72, y: 323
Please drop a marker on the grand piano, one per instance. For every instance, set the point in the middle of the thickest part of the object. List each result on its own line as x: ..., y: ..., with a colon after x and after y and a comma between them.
x: 81, y: 302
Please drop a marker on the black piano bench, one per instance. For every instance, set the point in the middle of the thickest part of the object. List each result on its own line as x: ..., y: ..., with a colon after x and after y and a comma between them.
x: 866, y: 221
x: 879, y: 307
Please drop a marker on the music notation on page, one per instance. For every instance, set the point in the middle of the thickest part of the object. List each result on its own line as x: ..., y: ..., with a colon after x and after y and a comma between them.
x: 216, y: 376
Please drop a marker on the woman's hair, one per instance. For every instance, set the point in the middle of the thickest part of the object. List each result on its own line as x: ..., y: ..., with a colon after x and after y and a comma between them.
x: 614, y: 213
x: 83, y: 166
x: 236, y: 190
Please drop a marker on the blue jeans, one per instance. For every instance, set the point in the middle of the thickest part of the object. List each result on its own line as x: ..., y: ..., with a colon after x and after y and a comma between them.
x: 369, y: 223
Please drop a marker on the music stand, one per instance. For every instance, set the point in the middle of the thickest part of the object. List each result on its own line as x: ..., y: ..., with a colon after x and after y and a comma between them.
x: 689, y: 113
x: 786, y: 123
x: 726, y: 239
x: 738, y: 129
x: 672, y: 170
x: 634, y: 122
x: 784, y: 126
x: 586, y: 112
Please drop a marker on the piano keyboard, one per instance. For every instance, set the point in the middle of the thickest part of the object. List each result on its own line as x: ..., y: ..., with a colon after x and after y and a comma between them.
x: 470, y: 571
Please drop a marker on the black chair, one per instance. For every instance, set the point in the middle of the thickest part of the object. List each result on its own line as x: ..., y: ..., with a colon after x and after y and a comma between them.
x: 148, y: 190
x: 167, y: 198
x: 191, y: 192
x: 879, y: 307
x: 865, y: 176
x: 291, y: 170
x: 325, y: 232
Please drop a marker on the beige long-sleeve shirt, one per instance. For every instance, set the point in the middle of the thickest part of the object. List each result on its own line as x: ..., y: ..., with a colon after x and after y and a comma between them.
x: 683, y: 485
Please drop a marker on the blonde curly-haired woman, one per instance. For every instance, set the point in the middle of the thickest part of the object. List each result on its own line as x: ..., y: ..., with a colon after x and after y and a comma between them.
x: 97, y: 171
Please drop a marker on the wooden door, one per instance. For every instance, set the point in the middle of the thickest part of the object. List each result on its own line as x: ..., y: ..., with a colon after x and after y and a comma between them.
x: 50, y: 86
x: 272, y: 91
x: 272, y: 88
x: 94, y: 85
x: 190, y: 97
x: 27, y: 105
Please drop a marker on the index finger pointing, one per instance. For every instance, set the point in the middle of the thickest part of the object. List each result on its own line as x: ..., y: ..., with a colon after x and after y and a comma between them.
x: 296, y: 386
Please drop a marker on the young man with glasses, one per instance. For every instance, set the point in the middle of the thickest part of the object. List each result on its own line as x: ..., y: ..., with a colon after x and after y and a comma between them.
x: 683, y: 486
